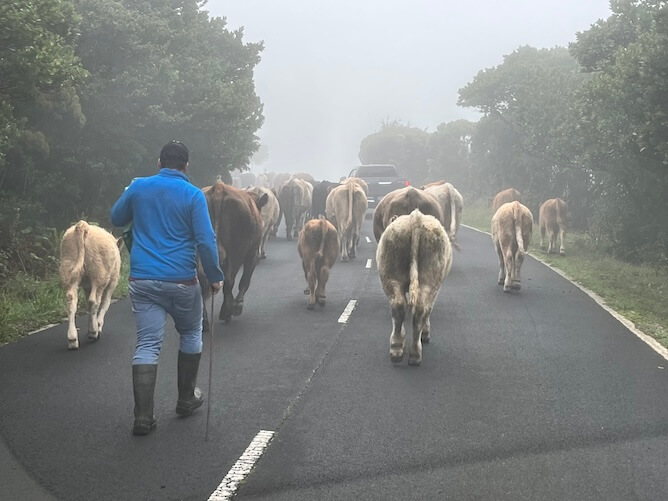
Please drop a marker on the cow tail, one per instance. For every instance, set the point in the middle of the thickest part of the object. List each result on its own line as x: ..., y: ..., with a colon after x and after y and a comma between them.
x: 517, y: 218
x: 453, y: 215
x: 414, y: 285
x: 351, y: 198
x: 80, y: 233
x: 324, y: 229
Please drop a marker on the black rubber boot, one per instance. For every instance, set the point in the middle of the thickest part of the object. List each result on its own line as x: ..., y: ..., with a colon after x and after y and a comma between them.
x: 190, y: 397
x: 143, y: 382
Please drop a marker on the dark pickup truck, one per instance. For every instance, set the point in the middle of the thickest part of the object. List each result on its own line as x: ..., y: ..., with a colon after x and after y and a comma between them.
x: 381, y: 178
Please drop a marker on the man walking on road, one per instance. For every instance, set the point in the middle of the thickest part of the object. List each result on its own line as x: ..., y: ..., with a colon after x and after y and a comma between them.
x: 171, y: 225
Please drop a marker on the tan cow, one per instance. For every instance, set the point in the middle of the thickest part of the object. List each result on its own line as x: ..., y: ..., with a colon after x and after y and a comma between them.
x: 504, y: 197
x: 552, y: 219
x: 512, y: 226
x: 318, y: 247
x: 402, y: 202
x: 269, y: 213
x: 346, y: 207
x: 89, y: 257
x: 451, y: 203
x: 295, y: 198
x: 358, y: 181
x: 414, y: 256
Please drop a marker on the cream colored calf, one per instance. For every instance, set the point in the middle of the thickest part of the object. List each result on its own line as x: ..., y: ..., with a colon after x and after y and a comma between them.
x: 345, y: 207
x: 512, y: 226
x: 89, y: 257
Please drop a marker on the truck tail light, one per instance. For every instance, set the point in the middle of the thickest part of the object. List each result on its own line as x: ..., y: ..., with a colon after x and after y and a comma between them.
x: 408, y: 183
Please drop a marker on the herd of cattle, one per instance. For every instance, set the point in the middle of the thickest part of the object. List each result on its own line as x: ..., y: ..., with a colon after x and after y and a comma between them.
x: 415, y: 228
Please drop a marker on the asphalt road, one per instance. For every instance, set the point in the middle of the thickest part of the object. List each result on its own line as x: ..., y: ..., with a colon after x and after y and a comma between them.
x: 532, y: 395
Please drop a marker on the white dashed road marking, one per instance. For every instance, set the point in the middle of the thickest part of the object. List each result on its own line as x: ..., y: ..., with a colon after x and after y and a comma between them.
x: 228, y: 487
x: 343, y: 319
x: 368, y: 240
x: 368, y: 263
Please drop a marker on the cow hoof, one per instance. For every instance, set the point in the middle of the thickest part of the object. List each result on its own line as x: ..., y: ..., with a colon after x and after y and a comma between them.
x: 396, y: 358
x: 73, y: 345
x: 562, y: 252
x: 501, y: 280
x: 414, y: 361
x: 321, y: 301
x: 263, y: 256
x: 93, y: 336
x: 344, y: 259
x: 226, y: 318
x: 237, y: 309
x: 425, y: 338
x: 506, y: 288
x: 306, y: 292
x: 205, y: 327
x: 310, y: 306
x: 516, y: 286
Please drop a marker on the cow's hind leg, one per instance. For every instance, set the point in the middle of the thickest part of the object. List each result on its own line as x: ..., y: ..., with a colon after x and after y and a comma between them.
x: 518, y: 259
x: 312, y: 279
x: 502, y: 266
x: 420, y: 317
x: 398, y: 336
x: 106, y: 301
x: 94, y: 301
x: 542, y: 236
x: 323, y: 276
x: 249, y: 266
x: 228, y: 297
x: 71, y: 300
x: 509, y: 262
x: 426, y: 331
x: 562, y: 249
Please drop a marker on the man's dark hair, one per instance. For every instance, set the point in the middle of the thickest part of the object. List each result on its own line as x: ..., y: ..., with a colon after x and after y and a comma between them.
x: 174, y: 155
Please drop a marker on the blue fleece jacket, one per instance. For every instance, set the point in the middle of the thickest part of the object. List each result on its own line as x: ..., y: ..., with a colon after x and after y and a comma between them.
x: 171, y: 225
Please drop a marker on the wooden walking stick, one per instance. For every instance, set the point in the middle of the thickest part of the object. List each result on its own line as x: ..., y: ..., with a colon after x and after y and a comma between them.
x: 208, y: 402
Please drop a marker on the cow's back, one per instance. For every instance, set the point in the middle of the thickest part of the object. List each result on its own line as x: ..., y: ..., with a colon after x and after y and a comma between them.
x: 402, y: 202
x: 504, y: 197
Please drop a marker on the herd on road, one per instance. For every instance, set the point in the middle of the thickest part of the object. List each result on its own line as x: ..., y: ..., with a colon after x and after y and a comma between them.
x: 415, y: 229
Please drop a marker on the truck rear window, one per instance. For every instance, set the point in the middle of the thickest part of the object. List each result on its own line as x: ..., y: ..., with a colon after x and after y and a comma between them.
x: 377, y: 171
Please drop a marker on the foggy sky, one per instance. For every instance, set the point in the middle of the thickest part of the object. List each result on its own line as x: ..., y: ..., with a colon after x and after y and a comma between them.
x: 331, y: 71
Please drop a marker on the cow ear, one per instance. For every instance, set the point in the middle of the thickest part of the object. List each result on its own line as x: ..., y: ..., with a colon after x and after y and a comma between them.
x: 262, y: 201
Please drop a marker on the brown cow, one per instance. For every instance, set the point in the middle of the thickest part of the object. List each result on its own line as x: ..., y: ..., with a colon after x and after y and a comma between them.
x: 451, y: 203
x: 552, y: 219
x: 319, y: 248
x: 89, y: 257
x: 512, y: 226
x: 505, y: 196
x: 402, y: 202
x: 235, y: 215
x: 414, y: 256
x: 346, y: 207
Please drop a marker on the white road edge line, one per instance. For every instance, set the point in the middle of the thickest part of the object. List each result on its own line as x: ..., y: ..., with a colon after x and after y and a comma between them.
x: 368, y: 264
x: 368, y: 240
x: 653, y: 343
x: 228, y: 487
x: 343, y: 319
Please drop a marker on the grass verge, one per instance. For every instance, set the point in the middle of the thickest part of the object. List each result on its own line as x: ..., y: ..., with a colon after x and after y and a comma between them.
x: 27, y: 303
x: 639, y: 292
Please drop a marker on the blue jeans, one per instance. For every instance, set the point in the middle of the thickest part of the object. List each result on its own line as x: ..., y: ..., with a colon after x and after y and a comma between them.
x: 152, y: 300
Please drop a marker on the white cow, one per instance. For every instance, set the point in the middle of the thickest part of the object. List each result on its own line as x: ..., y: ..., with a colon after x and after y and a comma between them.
x: 414, y: 256
x: 269, y: 213
x: 512, y: 225
x: 89, y: 257
x: 345, y: 207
